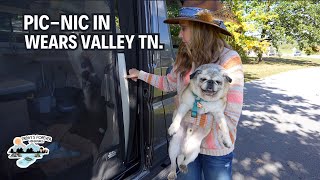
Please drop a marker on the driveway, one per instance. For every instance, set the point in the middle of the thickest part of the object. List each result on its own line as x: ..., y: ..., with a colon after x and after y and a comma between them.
x: 279, y: 131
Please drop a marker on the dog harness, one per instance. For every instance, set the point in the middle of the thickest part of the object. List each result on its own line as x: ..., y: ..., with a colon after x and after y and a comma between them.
x: 194, y: 110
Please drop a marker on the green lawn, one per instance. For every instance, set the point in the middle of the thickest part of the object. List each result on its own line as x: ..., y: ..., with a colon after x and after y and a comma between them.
x: 272, y: 66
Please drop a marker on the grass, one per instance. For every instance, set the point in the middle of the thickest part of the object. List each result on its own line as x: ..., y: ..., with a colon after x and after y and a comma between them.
x: 271, y: 66
x: 287, y: 48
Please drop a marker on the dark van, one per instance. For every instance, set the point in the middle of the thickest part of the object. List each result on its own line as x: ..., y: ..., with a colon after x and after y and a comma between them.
x: 102, y: 125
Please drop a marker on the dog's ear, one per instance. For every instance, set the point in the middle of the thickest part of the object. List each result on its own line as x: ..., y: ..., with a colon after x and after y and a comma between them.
x: 227, y: 78
x: 195, y: 73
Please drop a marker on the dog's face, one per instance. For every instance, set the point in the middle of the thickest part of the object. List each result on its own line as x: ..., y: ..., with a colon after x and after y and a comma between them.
x: 210, y: 82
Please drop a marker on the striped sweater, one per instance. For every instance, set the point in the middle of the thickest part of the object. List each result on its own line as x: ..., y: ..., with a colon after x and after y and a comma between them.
x: 211, y: 145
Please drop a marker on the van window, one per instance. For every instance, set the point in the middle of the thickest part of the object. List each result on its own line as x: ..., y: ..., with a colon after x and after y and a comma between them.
x: 160, y: 62
x: 67, y: 94
x: 5, y: 22
x: 162, y: 59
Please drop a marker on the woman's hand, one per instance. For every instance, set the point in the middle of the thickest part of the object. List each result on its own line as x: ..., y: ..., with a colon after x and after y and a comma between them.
x: 133, y: 74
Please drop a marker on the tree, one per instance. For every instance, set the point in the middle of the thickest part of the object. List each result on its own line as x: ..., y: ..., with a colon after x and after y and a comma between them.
x: 298, y: 21
x: 29, y: 150
x: 252, y: 33
x: 173, y: 7
x: 20, y: 150
x: 266, y: 22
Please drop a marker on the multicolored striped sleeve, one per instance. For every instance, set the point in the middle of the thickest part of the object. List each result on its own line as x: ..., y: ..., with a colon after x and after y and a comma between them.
x: 235, y: 94
x: 166, y: 83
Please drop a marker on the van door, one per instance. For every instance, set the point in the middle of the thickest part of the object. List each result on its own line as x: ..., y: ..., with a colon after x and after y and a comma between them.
x: 162, y: 102
x: 71, y: 95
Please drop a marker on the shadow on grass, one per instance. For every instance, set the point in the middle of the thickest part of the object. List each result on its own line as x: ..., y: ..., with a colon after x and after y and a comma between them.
x: 276, y: 136
x: 300, y: 61
x: 248, y: 77
x: 296, y: 62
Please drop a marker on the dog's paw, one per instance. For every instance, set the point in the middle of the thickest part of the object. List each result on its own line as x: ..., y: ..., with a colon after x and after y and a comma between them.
x: 172, y: 175
x: 226, y: 142
x: 183, y: 168
x: 173, y: 128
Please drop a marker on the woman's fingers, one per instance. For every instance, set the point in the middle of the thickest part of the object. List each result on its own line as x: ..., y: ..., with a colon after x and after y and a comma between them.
x: 133, y: 74
x: 132, y: 77
x: 132, y: 69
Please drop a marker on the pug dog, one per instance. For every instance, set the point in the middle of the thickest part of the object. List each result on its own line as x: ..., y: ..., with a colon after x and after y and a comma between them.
x: 206, y: 93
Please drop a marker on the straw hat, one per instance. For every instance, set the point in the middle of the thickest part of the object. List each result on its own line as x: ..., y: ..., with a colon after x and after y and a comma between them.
x: 211, y: 12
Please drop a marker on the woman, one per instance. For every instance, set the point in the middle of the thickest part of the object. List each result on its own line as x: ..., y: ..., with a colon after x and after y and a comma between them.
x: 202, y: 43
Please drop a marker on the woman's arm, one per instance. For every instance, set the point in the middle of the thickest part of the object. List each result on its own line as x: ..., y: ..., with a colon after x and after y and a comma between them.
x: 235, y: 94
x: 165, y: 83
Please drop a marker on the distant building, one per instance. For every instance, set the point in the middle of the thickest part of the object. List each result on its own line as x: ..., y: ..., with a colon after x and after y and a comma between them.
x: 271, y: 51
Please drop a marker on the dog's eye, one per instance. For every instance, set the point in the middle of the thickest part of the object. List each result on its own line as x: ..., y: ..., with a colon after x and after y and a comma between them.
x: 219, y: 82
x: 202, y: 79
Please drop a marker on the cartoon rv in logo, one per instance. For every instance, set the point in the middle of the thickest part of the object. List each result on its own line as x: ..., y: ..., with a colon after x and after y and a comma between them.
x: 26, y: 154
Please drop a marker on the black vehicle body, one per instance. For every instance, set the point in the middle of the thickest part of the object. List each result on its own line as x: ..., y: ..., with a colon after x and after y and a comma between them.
x: 103, y: 126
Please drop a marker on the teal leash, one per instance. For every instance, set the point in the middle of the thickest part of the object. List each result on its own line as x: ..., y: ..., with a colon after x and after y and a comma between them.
x: 194, y: 110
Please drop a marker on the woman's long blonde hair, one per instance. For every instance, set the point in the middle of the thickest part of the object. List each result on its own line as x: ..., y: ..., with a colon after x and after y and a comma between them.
x: 206, y: 45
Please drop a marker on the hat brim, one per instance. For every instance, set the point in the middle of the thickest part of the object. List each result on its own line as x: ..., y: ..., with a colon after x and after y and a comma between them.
x: 178, y: 19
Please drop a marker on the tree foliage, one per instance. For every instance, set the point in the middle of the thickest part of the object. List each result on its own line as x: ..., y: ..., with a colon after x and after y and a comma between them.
x: 173, y: 7
x: 255, y: 19
x: 298, y: 21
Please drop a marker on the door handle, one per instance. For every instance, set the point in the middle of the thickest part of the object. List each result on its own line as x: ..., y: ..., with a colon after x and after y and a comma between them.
x: 146, y: 93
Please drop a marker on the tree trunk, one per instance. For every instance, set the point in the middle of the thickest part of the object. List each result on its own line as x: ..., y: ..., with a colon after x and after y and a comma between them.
x: 264, y: 33
x: 260, y: 57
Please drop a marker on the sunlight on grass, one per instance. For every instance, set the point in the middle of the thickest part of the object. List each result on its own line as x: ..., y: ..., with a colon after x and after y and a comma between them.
x: 272, y: 66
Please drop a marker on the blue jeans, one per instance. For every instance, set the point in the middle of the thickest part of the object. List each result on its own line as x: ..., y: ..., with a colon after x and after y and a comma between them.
x: 212, y: 167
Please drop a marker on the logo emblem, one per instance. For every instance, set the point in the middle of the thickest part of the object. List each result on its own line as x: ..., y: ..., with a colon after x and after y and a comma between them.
x: 27, y: 154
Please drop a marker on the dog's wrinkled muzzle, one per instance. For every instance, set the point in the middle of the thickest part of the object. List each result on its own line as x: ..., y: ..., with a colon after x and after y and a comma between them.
x: 210, y: 85
x: 209, y: 91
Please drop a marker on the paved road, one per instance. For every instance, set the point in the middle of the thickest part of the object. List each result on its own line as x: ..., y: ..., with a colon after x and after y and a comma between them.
x: 279, y: 131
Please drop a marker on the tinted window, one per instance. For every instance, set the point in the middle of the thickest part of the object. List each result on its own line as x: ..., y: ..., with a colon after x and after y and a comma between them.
x: 67, y: 94
x: 162, y: 58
